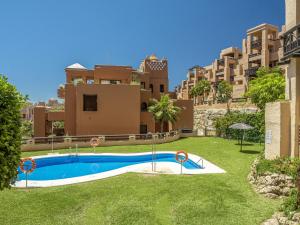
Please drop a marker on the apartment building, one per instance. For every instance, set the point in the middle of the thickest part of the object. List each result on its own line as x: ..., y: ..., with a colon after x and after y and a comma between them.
x: 261, y: 47
x: 109, y: 99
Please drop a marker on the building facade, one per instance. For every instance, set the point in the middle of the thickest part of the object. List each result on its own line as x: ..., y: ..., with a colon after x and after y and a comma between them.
x: 109, y: 100
x: 283, y: 118
x: 260, y: 48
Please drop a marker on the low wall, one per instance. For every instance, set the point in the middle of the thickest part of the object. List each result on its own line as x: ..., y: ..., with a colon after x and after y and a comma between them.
x: 204, y: 116
x: 40, y: 147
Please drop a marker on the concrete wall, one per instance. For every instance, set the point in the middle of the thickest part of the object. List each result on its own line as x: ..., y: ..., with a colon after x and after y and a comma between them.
x: 39, y: 118
x: 56, y: 116
x: 70, y: 110
x: 185, y: 119
x: 277, y: 130
x: 204, y: 116
x: 118, y: 109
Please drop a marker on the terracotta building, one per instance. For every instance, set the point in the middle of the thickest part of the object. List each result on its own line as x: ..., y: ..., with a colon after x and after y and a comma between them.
x: 261, y: 47
x: 112, y: 100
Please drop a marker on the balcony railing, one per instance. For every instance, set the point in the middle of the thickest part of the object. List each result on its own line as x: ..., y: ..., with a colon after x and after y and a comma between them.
x: 220, y: 72
x: 291, y: 42
x: 251, y: 71
x: 256, y: 44
x: 254, y: 55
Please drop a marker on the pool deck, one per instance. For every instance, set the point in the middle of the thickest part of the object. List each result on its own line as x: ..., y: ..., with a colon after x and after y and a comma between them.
x: 160, y: 168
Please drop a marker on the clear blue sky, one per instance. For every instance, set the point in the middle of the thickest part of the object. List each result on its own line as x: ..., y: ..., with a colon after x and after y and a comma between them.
x: 40, y: 38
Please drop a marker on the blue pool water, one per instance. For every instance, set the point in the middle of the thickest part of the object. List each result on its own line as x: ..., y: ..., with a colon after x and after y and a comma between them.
x: 61, y: 167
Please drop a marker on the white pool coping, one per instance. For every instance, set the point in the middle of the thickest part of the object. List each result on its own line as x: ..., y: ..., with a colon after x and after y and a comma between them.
x: 160, y: 168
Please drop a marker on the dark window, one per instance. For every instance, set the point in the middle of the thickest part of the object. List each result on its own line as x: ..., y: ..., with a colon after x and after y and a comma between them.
x: 143, y: 85
x: 144, y: 107
x: 161, y: 88
x: 143, y: 129
x: 151, y: 87
x: 89, y: 102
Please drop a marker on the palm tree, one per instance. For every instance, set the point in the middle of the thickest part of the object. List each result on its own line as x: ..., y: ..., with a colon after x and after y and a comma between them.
x: 224, y: 93
x: 194, y: 93
x: 205, y: 87
x: 163, y: 110
x: 200, y: 89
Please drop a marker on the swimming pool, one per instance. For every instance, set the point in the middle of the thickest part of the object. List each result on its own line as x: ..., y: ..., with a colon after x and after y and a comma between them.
x: 54, y: 170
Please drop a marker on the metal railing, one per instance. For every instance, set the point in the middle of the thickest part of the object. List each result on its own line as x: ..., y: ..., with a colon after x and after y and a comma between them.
x: 87, y: 138
x: 256, y: 44
x: 291, y: 42
x: 220, y: 72
x: 254, y: 55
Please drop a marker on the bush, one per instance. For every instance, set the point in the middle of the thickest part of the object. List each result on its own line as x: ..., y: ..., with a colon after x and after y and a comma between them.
x: 290, y: 204
x: 11, y: 102
x: 256, y: 120
x: 285, y: 165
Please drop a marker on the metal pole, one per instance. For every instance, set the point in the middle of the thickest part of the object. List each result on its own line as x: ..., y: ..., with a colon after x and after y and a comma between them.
x: 26, y: 177
x: 152, y: 157
x: 242, y: 141
x: 52, y: 136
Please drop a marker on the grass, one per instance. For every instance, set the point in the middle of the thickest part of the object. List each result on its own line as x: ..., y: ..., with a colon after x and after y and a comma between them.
x: 138, y: 199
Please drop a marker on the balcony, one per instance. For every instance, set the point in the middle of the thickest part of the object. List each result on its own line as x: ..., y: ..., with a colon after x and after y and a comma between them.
x: 254, y: 55
x: 220, y: 72
x: 256, y: 44
x: 291, y: 42
x: 221, y: 62
x: 251, y: 71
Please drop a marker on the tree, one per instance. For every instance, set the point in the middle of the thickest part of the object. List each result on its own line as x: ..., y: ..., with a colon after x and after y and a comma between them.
x: 11, y: 102
x: 269, y: 86
x: 224, y: 93
x: 164, y: 110
x: 194, y: 93
x: 200, y: 89
x: 27, y: 129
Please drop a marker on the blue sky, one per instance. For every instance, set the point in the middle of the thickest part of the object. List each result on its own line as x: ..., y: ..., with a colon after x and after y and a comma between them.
x: 40, y: 38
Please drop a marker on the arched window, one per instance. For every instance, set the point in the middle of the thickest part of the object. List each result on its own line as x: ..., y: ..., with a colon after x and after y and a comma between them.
x: 144, y: 107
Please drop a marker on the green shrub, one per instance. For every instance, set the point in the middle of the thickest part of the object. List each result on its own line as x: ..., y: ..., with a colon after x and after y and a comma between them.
x: 256, y: 120
x: 11, y: 102
x: 290, y: 204
x: 285, y: 165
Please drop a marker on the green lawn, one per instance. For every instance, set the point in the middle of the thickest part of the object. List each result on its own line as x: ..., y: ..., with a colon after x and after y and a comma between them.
x: 137, y: 199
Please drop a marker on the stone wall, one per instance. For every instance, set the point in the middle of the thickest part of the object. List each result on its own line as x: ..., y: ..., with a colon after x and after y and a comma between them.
x: 204, y: 115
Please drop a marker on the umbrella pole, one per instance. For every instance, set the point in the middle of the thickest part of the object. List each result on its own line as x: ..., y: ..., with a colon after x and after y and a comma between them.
x: 242, y: 141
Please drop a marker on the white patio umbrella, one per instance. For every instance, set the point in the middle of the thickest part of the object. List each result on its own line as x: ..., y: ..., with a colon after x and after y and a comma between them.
x: 243, y: 127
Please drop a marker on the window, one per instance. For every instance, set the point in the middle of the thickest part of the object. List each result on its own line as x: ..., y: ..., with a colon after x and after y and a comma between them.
x: 90, y: 81
x: 144, y: 107
x: 151, y: 87
x: 143, y: 85
x: 161, y: 88
x: 89, y: 102
x: 110, y: 81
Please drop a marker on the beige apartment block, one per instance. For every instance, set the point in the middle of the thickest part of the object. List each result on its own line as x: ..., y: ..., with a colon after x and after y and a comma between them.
x: 282, y: 131
x: 261, y: 47
x: 111, y: 100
